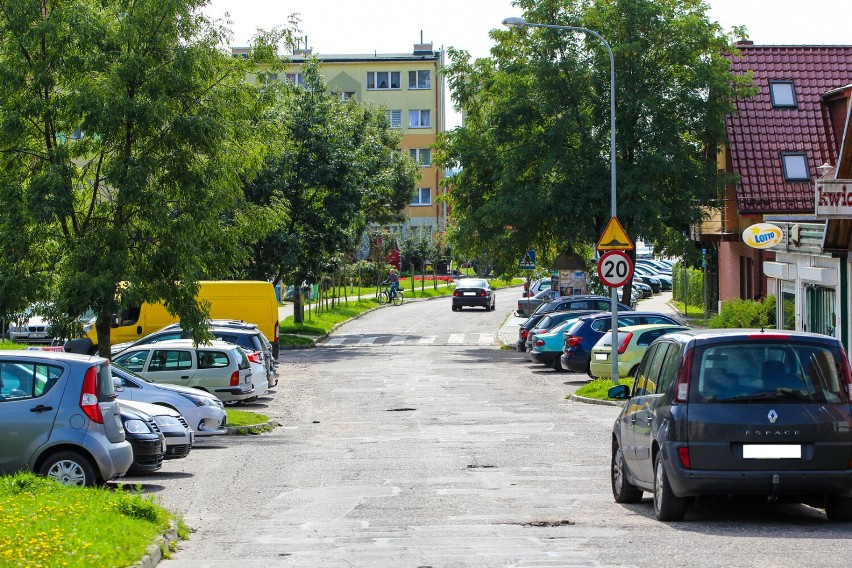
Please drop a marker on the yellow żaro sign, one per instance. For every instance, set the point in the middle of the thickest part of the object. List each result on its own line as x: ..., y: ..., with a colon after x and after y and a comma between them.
x: 614, y: 237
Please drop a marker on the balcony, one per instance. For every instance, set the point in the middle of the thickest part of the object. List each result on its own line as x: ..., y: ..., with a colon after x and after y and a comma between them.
x: 720, y: 222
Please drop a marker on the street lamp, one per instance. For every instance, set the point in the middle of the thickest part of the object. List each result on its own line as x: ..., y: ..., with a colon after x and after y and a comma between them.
x: 521, y: 23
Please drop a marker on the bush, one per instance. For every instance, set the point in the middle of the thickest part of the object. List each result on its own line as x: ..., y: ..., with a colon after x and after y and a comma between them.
x: 694, y: 288
x: 745, y: 314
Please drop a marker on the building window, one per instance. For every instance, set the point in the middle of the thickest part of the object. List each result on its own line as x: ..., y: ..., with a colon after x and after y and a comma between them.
x: 423, y: 156
x: 296, y: 79
x: 395, y: 118
x: 418, y: 79
x: 795, y: 167
x: 422, y: 197
x: 419, y: 118
x: 782, y: 94
x: 378, y: 80
x: 346, y: 95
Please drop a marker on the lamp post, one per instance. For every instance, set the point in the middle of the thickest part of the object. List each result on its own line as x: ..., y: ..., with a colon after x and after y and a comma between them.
x: 521, y: 23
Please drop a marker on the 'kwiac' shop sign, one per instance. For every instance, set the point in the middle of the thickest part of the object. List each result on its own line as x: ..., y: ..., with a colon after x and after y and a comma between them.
x: 834, y: 198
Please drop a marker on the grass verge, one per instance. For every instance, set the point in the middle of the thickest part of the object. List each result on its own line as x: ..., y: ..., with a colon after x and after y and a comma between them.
x: 294, y: 340
x: 598, y: 388
x: 321, y: 323
x: 245, y: 417
x: 44, y: 523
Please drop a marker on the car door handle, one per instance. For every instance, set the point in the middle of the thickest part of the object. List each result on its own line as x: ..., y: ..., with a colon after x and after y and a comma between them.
x: 41, y: 408
x: 184, y: 376
x: 633, y: 420
x: 649, y: 419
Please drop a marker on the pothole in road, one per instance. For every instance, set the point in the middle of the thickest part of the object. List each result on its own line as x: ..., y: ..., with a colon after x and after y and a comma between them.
x: 547, y: 523
x: 400, y: 409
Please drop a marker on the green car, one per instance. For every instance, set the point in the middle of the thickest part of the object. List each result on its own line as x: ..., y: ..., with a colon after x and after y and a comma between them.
x: 632, y: 343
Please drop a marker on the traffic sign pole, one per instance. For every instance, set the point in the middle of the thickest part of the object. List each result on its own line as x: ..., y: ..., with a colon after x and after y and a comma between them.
x: 614, y: 239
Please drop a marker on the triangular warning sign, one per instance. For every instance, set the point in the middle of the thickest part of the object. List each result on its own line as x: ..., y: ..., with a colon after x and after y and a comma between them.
x: 614, y: 237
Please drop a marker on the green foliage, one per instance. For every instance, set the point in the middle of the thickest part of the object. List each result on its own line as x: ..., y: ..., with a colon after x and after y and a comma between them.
x: 690, y: 290
x: 333, y: 168
x: 739, y: 313
x: 245, y: 417
x: 534, y: 151
x: 597, y: 388
x: 124, y: 145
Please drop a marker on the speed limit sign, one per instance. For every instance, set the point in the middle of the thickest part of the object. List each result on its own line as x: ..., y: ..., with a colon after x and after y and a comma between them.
x: 615, y: 268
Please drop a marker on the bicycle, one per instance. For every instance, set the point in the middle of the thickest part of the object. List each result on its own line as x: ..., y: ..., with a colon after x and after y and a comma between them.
x: 384, y: 297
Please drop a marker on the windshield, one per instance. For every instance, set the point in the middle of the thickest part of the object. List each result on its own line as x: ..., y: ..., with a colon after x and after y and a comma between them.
x: 772, y: 371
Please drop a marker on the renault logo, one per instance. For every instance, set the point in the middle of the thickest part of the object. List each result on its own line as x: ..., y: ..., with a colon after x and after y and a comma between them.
x: 773, y: 416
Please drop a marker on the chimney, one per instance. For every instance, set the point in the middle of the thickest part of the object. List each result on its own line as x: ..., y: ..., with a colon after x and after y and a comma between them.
x: 422, y: 48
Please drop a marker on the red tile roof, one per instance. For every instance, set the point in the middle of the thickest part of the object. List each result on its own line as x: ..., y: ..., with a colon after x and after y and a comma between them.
x: 760, y: 133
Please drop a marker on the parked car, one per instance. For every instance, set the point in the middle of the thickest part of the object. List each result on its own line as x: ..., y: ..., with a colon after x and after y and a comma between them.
x: 665, y: 280
x: 584, y: 334
x: 30, y: 328
x: 547, y: 347
x: 220, y: 368
x: 244, y: 334
x: 174, y: 427
x: 536, y: 286
x: 526, y: 306
x: 655, y: 265
x: 48, y: 400
x: 149, y: 444
x: 736, y: 412
x: 584, y: 302
x: 645, y: 290
x: 204, y: 412
x: 551, y: 320
x: 653, y: 282
x: 531, y: 322
x: 633, y: 341
x: 471, y: 292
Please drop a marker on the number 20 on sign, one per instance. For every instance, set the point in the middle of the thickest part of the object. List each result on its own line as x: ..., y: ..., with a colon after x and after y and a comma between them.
x: 615, y: 268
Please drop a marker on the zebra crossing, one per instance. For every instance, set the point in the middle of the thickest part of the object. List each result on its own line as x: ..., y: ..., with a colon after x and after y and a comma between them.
x: 449, y: 339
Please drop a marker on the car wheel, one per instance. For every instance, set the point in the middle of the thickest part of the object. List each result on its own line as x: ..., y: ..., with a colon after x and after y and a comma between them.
x: 667, y: 506
x: 69, y: 468
x: 838, y: 508
x: 622, y: 490
x: 557, y: 365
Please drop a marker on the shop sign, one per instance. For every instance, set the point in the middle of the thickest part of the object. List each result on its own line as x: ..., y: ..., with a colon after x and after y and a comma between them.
x: 834, y: 198
x: 763, y: 235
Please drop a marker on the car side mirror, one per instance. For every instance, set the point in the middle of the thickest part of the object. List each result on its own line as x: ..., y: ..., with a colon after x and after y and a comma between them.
x: 619, y: 392
x: 114, y: 321
x: 116, y: 383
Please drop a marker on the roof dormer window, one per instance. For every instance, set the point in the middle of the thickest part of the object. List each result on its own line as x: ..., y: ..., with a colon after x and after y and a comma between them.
x: 795, y: 167
x: 783, y: 94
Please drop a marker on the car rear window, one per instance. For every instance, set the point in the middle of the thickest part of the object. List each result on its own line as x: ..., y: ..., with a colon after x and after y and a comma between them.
x: 782, y: 372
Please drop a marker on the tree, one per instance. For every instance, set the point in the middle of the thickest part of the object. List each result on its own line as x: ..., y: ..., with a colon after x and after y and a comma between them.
x: 534, y: 151
x: 335, y: 169
x: 125, y: 131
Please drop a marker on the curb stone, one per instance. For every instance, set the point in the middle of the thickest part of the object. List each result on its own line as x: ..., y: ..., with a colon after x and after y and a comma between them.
x: 253, y: 428
x: 585, y: 400
x: 162, y: 546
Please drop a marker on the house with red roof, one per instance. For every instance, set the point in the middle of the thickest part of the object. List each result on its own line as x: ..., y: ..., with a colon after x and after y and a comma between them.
x: 780, y: 142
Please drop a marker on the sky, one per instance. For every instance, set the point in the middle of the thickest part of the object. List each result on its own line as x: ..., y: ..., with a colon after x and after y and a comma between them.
x: 394, y: 26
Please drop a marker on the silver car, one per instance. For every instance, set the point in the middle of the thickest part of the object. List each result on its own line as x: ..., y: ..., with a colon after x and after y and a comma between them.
x: 220, y: 368
x: 204, y: 412
x: 179, y: 437
x: 59, y: 417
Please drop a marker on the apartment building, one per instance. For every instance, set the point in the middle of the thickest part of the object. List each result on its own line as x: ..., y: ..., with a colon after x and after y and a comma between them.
x: 411, y: 89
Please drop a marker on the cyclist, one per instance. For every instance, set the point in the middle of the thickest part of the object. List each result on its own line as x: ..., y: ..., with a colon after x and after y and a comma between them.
x: 393, y: 281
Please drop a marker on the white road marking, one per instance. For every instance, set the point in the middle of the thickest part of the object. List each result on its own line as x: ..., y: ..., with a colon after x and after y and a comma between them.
x: 456, y: 339
x: 335, y: 341
x: 429, y: 340
x: 367, y: 340
x: 397, y: 340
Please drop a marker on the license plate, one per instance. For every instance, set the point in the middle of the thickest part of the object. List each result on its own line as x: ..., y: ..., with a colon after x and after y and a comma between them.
x: 38, y: 334
x: 772, y: 451
x: 470, y: 293
x: 601, y: 357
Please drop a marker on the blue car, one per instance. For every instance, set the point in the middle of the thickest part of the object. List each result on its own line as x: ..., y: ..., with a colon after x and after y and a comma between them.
x: 547, y: 347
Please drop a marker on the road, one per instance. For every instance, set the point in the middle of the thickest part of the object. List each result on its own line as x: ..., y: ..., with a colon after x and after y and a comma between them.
x: 431, y: 446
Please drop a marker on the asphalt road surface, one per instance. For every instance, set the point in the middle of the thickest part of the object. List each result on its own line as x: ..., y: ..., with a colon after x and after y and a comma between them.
x: 411, y: 439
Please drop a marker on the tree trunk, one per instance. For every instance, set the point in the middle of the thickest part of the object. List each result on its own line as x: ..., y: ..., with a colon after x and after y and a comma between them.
x: 103, y: 325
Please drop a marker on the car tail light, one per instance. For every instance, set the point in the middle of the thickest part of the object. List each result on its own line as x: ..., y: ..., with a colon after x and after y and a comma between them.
x: 769, y: 336
x: 89, y: 396
x: 683, y: 454
x: 525, y: 333
x: 275, y: 332
x: 682, y: 380
x: 847, y: 371
x: 573, y: 341
x: 456, y: 293
x: 622, y: 347
x: 482, y: 293
x: 235, y: 379
x: 539, y: 343
x: 255, y: 357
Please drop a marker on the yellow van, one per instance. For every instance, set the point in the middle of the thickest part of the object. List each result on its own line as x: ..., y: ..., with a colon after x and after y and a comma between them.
x: 251, y: 301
